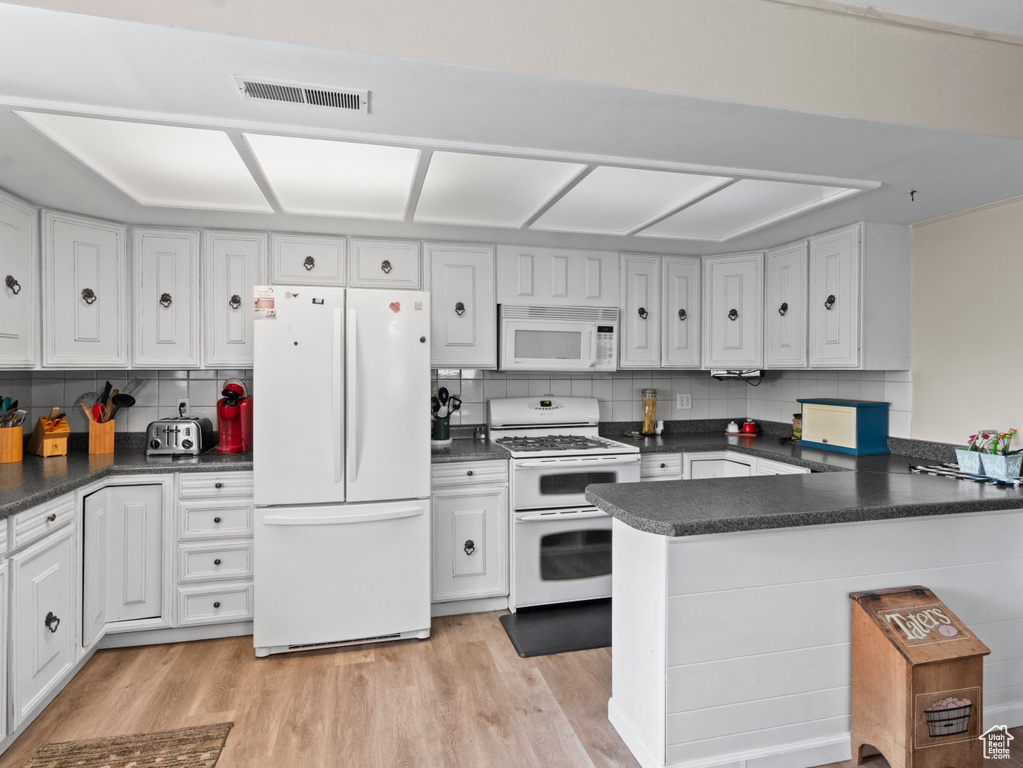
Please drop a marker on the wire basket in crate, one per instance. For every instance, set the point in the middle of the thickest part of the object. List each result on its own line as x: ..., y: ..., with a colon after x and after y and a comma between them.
x: 948, y: 722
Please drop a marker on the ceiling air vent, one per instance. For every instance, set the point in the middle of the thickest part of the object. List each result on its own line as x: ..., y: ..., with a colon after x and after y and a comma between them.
x: 353, y: 101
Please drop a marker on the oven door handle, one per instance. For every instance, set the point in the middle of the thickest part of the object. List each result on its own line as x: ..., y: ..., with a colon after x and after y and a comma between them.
x: 540, y: 518
x: 565, y: 464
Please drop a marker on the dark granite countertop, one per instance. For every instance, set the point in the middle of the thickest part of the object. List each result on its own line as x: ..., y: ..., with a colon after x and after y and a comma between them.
x: 34, y: 480
x: 468, y: 449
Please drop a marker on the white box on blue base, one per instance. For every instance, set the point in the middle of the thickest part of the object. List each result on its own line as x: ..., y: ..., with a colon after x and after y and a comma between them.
x: 857, y: 427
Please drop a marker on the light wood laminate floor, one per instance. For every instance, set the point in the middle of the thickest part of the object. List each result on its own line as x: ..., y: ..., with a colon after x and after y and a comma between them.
x: 462, y: 699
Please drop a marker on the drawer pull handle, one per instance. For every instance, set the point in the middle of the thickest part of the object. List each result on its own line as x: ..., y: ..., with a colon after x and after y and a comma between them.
x: 216, y: 519
x: 235, y: 302
x: 216, y: 604
x: 470, y: 547
x: 165, y: 300
x: 309, y: 263
x: 51, y: 621
x: 830, y: 301
x: 89, y: 295
x: 459, y: 308
x: 51, y: 517
x: 682, y: 314
x: 783, y: 308
x: 218, y: 485
x: 733, y: 314
x: 385, y: 266
x: 469, y: 473
x: 217, y: 561
x: 643, y: 313
x: 13, y: 284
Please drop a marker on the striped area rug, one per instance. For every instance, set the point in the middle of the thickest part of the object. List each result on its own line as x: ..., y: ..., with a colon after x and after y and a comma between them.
x: 196, y: 747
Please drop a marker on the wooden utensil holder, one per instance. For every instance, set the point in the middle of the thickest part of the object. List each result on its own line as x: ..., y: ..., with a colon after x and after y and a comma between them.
x: 49, y: 438
x: 11, y: 441
x: 101, y: 437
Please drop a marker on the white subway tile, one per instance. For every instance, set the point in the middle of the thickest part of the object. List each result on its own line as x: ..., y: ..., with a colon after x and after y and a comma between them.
x: 518, y: 387
x: 701, y: 409
x: 562, y: 387
x: 582, y: 387
x: 899, y: 424
x: 604, y: 410
x: 540, y: 386
x: 494, y: 388
x: 621, y: 410
x: 899, y: 394
x: 623, y: 389
x: 872, y: 390
x: 603, y: 389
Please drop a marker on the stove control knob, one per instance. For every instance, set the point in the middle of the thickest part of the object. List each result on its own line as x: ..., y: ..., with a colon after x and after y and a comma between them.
x: 154, y: 443
x: 186, y: 444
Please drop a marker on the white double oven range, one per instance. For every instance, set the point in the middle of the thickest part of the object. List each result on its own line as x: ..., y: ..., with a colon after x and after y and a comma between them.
x: 560, y: 544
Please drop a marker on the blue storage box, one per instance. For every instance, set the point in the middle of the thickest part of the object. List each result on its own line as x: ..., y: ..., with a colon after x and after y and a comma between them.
x: 857, y: 427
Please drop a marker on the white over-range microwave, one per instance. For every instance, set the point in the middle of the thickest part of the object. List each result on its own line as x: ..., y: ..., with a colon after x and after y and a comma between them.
x: 557, y: 338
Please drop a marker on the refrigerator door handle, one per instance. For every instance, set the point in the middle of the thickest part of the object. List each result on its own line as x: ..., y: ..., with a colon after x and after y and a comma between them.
x: 353, y: 401
x: 369, y: 517
x: 337, y: 395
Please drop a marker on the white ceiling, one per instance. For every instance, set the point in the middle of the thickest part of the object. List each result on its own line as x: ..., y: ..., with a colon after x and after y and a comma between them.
x: 470, y: 124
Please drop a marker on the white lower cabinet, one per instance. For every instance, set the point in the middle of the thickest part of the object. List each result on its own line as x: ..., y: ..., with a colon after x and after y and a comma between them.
x: 660, y: 466
x: 44, y: 626
x: 470, y: 530
x: 768, y: 467
x: 700, y: 466
x: 5, y: 579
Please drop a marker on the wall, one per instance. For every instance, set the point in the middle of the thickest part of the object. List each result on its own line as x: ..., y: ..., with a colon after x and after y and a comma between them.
x: 967, y: 311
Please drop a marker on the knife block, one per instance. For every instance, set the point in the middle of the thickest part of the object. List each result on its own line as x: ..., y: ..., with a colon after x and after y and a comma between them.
x: 49, y: 442
x: 11, y: 441
x: 101, y: 437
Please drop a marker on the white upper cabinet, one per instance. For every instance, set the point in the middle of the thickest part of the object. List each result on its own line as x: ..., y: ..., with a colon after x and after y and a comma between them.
x: 19, y: 294
x: 233, y: 262
x: 308, y: 260
x: 785, y: 331
x: 386, y: 264
x: 556, y: 276
x: 166, y: 298
x: 85, y: 293
x: 680, y: 304
x: 641, y: 316
x: 733, y: 311
x: 859, y: 298
x: 462, y: 306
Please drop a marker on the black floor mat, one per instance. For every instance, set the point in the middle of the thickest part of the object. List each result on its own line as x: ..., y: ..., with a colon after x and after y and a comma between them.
x: 552, y: 629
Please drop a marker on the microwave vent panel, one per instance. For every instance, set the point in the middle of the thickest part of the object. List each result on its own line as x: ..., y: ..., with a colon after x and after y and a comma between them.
x: 314, y: 96
x: 577, y: 314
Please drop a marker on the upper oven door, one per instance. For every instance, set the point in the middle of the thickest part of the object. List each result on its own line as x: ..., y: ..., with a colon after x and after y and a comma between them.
x: 560, y: 482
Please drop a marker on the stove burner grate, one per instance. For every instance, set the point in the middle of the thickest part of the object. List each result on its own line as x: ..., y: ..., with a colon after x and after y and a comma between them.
x: 551, y: 443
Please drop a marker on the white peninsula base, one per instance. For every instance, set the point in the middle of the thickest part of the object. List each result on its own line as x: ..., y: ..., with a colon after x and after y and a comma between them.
x: 732, y: 649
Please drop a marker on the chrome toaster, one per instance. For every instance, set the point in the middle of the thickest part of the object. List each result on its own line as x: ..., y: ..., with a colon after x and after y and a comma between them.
x: 180, y: 437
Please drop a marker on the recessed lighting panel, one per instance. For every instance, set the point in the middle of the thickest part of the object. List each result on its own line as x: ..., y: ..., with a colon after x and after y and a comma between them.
x: 615, y: 201
x: 159, y: 165
x: 489, y: 190
x: 336, y: 178
x: 743, y: 207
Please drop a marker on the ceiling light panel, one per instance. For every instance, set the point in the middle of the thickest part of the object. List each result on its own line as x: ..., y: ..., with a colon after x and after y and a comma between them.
x: 743, y: 207
x: 489, y: 190
x: 159, y: 165
x: 336, y: 178
x: 615, y: 201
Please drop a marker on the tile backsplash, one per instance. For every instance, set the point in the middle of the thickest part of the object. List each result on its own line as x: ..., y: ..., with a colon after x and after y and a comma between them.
x: 618, y: 394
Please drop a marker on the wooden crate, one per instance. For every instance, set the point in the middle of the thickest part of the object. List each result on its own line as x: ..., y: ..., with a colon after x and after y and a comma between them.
x: 917, y: 681
x: 49, y: 438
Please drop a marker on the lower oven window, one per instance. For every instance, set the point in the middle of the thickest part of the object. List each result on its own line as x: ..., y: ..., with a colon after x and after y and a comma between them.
x: 572, y: 482
x: 575, y: 555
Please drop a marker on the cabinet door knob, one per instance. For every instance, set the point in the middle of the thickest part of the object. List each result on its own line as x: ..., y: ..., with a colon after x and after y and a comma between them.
x: 89, y: 295
x: 309, y: 263
x: 830, y: 301
x: 218, y: 485
x: 385, y: 266
x: 51, y: 517
x: 459, y: 308
x: 217, y: 561
x: 682, y: 314
x: 165, y: 300
x: 663, y: 465
x: 51, y: 621
x: 643, y: 313
x: 13, y: 284
x: 216, y: 520
x: 783, y: 308
x: 733, y: 314
x: 469, y: 473
x: 216, y: 604
x: 469, y: 547
x: 235, y: 302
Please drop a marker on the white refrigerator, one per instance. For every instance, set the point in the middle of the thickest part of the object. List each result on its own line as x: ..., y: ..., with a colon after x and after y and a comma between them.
x: 341, y: 457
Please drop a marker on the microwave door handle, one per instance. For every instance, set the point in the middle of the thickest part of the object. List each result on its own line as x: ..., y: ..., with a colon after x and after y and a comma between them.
x: 593, y: 349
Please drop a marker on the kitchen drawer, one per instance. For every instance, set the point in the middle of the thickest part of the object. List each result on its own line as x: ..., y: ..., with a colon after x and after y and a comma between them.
x: 216, y: 561
x: 769, y: 467
x: 386, y: 264
x: 215, y: 485
x: 37, y: 522
x: 3, y: 537
x: 308, y: 260
x: 214, y: 604
x: 219, y: 520
x: 469, y: 473
x: 660, y: 466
